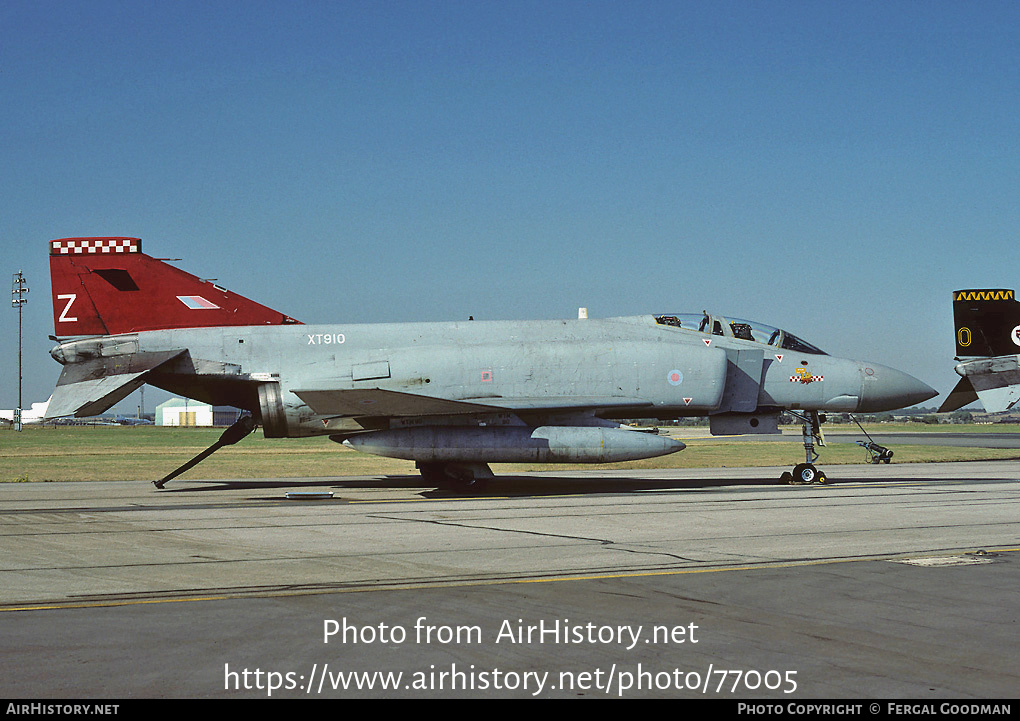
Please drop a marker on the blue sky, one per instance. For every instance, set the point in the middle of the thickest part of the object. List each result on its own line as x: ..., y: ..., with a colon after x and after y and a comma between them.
x: 833, y: 168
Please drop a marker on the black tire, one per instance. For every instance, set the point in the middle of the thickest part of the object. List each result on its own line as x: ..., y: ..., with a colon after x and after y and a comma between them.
x: 805, y: 473
x: 470, y: 486
x: 433, y: 474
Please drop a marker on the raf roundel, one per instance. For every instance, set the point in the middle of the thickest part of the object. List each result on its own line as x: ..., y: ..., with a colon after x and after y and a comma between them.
x: 675, y: 377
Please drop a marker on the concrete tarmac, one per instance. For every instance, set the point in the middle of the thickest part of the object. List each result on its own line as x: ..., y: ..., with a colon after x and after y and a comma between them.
x: 891, y: 581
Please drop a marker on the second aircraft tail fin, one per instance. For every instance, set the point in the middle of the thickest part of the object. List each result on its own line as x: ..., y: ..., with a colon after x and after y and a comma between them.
x: 987, y: 344
x: 987, y: 322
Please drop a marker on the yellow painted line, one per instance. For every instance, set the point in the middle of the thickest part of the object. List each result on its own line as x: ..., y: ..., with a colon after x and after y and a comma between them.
x: 490, y: 582
x: 892, y: 484
x: 110, y: 604
x: 778, y: 564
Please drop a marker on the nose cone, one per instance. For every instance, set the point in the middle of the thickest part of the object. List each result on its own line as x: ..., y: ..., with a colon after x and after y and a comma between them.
x: 886, y: 389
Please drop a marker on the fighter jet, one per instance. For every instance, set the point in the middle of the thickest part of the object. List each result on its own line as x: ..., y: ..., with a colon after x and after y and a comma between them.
x: 987, y: 348
x: 453, y: 396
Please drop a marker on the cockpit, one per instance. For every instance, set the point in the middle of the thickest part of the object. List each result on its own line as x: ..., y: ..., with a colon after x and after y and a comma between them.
x: 738, y: 328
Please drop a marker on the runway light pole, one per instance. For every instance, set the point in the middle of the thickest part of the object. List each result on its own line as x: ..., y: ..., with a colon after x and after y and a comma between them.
x: 18, y: 300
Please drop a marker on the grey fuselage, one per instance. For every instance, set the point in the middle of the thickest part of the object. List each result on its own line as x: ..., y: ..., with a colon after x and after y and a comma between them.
x: 305, y: 380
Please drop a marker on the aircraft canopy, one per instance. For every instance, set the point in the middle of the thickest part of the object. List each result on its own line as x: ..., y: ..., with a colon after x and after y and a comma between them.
x: 738, y: 328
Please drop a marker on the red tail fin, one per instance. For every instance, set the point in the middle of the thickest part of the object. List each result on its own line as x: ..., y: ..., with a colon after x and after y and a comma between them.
x: 105, y: 286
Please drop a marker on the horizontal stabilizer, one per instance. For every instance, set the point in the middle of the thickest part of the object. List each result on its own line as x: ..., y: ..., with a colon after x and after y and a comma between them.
x: 93, y: 387
x: 994, y: 381
x: 90, y: 398
x: 960, y: 396
x: 997, y: 400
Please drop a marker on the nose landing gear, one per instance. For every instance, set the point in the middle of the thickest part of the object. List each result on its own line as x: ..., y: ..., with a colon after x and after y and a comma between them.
x: 806, y: 473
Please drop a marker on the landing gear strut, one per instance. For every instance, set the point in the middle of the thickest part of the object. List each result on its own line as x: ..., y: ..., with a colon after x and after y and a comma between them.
x: 804, y: 473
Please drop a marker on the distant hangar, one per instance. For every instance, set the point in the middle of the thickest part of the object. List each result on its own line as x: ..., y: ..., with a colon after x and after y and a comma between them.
x: 188, y: 413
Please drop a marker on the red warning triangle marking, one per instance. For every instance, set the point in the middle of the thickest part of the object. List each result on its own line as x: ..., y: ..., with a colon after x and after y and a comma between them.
x: 779, y: 357
x: 707, y: 341
x: 687, y: 401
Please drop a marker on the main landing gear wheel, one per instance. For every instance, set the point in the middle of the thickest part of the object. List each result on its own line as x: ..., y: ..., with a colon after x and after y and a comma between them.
x: 467, y: 478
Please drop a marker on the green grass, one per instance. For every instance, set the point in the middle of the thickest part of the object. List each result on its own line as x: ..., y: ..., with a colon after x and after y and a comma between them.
x: 107, y: 453
x: 874, y: 428
x: 93, y: 453
x: 732, y: 453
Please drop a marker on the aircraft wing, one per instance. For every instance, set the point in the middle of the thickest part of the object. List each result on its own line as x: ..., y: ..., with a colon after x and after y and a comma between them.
x: 568, y: 403
x: 379, y: 402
